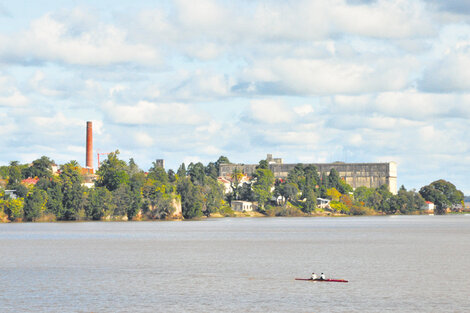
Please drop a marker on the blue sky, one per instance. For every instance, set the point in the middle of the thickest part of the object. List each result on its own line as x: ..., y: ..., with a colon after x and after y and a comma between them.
x: 308, y: 81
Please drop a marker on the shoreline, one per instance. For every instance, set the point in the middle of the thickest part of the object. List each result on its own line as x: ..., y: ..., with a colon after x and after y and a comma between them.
x: 215, y: 216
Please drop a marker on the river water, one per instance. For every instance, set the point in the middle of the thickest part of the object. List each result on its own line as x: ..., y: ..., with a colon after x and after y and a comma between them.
x: 393, y: 264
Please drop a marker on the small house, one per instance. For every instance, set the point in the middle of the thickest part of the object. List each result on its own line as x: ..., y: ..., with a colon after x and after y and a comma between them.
x: 242, y: 206
x: 428, y: 206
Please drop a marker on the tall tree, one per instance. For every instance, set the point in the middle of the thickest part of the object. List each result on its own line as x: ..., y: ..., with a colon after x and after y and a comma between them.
x: 99, y: 203
x: 14, y: 175
x: 211, y: 170
x: 112, y: 172
x: 221, y: 160
x: 196, y: 173
x: 41, y: 167
x: 72, y: 190
x: 191, y: 198
x: 264, y: 180
x: 181, y: 171
x: 35, y: 204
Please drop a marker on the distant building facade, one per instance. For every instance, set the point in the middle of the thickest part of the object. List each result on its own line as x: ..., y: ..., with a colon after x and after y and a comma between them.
x: 242, y: 206
x: 371, y: 175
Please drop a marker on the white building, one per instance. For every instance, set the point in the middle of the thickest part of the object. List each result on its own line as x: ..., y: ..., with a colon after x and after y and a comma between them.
x: 429, y: 206
x: 323, y: 203
x: 242, y: 206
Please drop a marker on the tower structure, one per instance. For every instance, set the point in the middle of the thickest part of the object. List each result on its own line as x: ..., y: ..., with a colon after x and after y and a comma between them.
x: 89, y: 145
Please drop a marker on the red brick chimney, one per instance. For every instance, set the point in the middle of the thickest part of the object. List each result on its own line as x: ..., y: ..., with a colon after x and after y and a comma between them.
x: 89, y: 145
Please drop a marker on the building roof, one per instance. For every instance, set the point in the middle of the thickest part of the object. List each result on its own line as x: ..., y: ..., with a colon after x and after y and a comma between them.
x: 223, y: 180
x: 30, y: 181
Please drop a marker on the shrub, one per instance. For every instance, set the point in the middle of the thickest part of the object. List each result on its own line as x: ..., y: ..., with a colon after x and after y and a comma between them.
x: 226, y: 211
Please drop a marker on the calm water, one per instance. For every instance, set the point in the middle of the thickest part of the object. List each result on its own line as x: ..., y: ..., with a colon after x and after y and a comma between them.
x: 394, y: 264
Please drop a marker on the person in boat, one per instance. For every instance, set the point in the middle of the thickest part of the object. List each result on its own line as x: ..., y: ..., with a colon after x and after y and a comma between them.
x: 314, y: 276
x: 322, y: 276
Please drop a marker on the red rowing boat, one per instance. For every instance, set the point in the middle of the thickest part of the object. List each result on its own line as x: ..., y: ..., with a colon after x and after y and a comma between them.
x: 324, y: 280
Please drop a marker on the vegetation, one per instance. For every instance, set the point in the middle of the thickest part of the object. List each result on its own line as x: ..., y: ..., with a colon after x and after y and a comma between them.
x: 121, y: 190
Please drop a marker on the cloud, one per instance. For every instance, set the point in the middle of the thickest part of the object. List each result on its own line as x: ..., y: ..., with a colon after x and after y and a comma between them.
x: 143, y: 139
x: 385, y: 19
x: 200, y: 85
x: 152, y: 113
x: 39, y: 84
x: 332, y: 76
x: 52, y: 40
x: 270, y: 112
x: 10, y: 96
x: 410, y: 104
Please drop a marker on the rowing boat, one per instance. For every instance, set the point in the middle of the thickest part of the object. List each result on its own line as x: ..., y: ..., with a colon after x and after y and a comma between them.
x: 324, y: 280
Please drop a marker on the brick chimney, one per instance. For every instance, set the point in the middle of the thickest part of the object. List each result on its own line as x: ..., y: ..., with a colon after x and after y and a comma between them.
x: 89, y: 145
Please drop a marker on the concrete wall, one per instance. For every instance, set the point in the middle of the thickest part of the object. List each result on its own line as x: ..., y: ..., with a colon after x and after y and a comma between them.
x: 370, y: 175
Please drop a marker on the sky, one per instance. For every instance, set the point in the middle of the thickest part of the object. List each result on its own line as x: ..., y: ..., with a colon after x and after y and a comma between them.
x: 187, y: 81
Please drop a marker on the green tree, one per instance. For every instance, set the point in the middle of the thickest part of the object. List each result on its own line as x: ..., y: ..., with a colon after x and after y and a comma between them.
x: 181, y: 171
x: 310, y: 201
x: 136, y: 184
x: 245, y: 192
x: 335, y: 181
x: 14, y: 209
x: 35, y: 204
x: 263, y: 164
x: 112, y: 172
x: 213, y: 196
x: 264, y: 180
x: 312, y: 179
x: 221, y: 160
x: 171, y: 176
x: 196, y: 173
x: 41, y: 167
x: 443, y: 194
x: 289, y: 192
x: 235, y: 184
x: 99, y: 203
x: 14, y: 175
x: 158, y: 174
x: 55, y: 199
x: 297, y: 175
x: 333, y: 194
x: 132, y: 168
x: 211, y: 170
x: 72, y: 191
x: 191, y: 198
x: 122, y: 200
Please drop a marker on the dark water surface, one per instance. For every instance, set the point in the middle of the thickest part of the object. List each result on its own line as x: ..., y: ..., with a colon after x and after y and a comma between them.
x: 394, y: 264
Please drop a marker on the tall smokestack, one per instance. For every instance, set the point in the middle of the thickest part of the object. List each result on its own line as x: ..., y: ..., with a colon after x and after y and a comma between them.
x: 89, y: 145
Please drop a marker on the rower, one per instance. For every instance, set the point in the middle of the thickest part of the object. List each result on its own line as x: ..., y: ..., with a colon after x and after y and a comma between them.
x: 322, y: 276
x: 314, y: 276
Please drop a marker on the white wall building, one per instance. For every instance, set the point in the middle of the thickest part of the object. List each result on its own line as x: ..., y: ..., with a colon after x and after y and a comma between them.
x: 242, y: 206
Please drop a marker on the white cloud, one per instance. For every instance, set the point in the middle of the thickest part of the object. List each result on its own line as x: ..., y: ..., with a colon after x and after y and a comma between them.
x: 57, y: 123
x: 270, y: 111
x: 303, y: 110
x: 314, y: 77
x: 38, y: 83
x: 151, y: 113
x: 143, y: 139
x: 385, y: 19
x: 10, y: 96
x: 53, y: 40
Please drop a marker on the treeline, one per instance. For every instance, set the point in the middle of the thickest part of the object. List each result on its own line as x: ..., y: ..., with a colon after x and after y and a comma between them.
x: 299, y: 193
x: 121, y: 190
